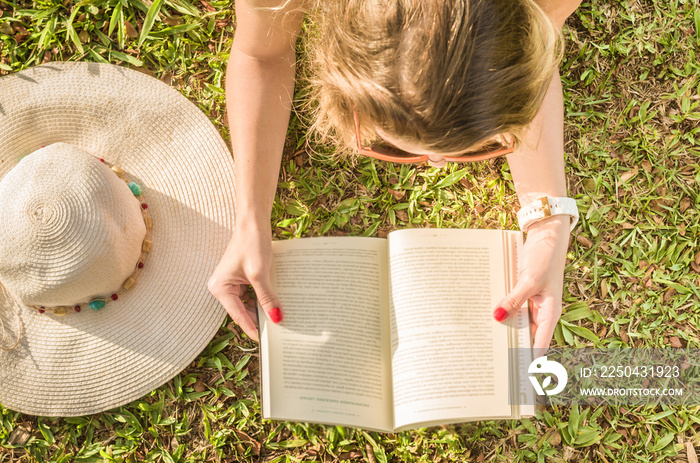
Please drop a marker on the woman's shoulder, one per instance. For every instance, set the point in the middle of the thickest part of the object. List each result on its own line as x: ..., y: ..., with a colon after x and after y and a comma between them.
x: 558, y: 10
x: 278, y: 4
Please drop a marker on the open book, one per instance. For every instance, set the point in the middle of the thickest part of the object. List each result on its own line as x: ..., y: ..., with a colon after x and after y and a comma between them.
x: 392, y: 334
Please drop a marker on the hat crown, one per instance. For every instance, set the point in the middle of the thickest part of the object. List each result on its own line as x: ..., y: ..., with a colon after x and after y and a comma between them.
x: 70, y: 228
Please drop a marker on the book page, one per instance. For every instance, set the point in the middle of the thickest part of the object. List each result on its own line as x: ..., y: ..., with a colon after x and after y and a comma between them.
x: 522, y: 392
x: 449, y: 356
x: 328, y: 361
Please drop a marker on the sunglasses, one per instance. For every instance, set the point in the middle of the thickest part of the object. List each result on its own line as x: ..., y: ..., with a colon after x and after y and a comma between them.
x: 393, y: 154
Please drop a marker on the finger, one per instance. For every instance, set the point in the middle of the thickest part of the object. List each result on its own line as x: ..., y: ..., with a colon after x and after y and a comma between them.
x: 534, y: 308
x: 546, y: 322
x: 236, y: 309
x: 267, y: 298
x: 513, y: 300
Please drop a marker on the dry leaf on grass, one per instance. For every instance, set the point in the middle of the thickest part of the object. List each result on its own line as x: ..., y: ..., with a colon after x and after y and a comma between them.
x: 130, y: 30
x: 245, y: 437
x: 584, y: 241
x: 685, y: 204
x: 173, y: 21
x: 555, y: 440
x: 19, y: 436
x: 402, y: 216
x: 603, y: 331
x: 690, y: 452
x: 466, y: 183
x: 208, y: 6
x: 624, y: 337
x: 370, y: 454
x: 397, y: 194
x: 629, y: 174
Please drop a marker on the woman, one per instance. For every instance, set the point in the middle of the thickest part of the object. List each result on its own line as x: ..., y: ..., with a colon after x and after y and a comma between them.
x: 438, y: 79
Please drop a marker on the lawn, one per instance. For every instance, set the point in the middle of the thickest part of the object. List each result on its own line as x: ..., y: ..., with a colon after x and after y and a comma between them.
x: 632, y: 128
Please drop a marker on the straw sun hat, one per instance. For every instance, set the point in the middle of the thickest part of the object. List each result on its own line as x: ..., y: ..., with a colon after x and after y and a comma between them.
x: 116, y: 203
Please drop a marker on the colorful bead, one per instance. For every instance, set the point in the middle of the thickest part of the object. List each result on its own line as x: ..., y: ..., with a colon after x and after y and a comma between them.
x: 60, y: 311
x: 114, y: 297
x: 42, y: 311
x: 118, y: 170
x: 129, y: 283
x: 144, y: 206
x: 97, y: 304
x: 76, y: 308
x: 146, y: 247
x: 102, y: 160
x: 140, y: 265
x: 135, y: 189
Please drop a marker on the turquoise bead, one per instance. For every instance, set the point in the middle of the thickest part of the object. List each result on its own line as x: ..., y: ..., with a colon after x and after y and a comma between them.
x: 135, y: 189
x: 97, y: 304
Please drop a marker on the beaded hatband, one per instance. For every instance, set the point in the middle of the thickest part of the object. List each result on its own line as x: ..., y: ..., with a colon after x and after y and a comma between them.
x: 100, y: 302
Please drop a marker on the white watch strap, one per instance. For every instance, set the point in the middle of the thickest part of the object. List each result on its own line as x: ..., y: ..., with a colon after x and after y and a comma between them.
x: 545, y: 207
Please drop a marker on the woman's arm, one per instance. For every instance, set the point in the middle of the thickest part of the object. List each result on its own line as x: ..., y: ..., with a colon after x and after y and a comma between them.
x: 537, y: 167
x: 259, y: 90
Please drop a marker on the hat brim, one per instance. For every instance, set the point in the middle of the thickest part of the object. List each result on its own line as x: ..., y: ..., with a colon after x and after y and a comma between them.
x: 96, y: 360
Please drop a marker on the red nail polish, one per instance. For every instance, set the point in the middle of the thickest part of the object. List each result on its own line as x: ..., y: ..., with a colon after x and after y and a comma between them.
x: 500, y: 314
x: 275, y: 315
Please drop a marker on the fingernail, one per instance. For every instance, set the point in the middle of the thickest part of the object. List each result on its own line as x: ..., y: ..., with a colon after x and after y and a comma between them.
x: 500, y: 314
x: 275, y: 315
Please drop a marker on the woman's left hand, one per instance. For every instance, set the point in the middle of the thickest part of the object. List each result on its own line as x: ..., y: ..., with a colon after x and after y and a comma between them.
x: 541, y: 279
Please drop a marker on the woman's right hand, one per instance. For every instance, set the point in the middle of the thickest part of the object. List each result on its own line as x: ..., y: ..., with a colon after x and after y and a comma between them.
x: 259, y: 89
x: 246, y: 261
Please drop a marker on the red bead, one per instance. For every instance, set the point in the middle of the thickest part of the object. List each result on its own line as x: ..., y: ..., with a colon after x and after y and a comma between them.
x: 114, y: 297
x: 140, y: 265
x: 41, y: 311
x: 144, y: 206
x: 76, y: 308
x: 102, y: 160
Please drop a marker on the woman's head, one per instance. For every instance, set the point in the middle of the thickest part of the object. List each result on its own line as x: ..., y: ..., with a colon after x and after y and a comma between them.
x: 444, y: 75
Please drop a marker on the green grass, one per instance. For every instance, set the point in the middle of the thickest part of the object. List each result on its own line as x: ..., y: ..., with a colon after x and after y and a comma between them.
x: 632, y: 84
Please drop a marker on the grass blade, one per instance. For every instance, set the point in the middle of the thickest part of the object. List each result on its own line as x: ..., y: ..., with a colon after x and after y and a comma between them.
x: 117, y: 19
x: 124, y: 57
x: 72, y: 35
x: 150, y: 19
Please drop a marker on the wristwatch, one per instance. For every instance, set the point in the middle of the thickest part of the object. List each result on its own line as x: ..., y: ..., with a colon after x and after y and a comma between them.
x: 547, y: 206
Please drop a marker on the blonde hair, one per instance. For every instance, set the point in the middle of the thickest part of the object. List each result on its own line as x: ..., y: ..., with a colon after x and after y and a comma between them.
x: 443, y: 74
